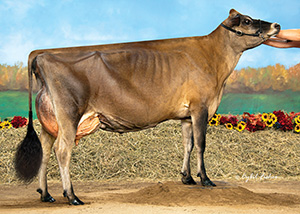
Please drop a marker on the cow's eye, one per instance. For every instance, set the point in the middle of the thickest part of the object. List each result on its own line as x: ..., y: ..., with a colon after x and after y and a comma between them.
x: 247, y: 21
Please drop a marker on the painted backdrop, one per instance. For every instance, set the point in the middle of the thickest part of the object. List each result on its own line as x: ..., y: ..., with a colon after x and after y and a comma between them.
x: 253, y: 90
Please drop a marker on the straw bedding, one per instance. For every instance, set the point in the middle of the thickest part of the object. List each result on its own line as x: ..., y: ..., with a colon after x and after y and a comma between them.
x: 157, y: 153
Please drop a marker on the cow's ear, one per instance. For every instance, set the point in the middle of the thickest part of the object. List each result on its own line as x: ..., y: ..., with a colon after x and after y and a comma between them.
x: 233, y: 12
x: 235, y: 21
x: 234, y: 18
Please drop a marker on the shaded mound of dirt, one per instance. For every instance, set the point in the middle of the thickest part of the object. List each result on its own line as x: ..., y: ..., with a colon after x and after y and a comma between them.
x: 176, y: 194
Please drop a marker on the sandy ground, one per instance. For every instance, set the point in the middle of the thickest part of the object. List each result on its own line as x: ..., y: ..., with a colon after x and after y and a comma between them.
x: 162, y: 197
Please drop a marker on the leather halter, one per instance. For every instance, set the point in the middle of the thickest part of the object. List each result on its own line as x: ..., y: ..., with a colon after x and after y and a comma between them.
x: 240, y: 33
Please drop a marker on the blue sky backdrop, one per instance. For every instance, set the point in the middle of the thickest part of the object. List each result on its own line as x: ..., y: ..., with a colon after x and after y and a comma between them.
x: 37, y: 24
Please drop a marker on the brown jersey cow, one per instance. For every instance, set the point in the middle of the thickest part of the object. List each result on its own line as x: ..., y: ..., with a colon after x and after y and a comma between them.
x: 129, y: 87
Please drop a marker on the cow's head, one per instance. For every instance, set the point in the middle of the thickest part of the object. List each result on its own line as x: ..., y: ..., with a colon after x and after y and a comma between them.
x: 247, y: 32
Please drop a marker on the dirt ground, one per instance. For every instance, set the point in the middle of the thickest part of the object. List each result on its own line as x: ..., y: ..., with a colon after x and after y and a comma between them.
x: 162, y: 197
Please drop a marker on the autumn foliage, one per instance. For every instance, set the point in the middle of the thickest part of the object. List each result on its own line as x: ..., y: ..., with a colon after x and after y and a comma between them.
x: 276, y: 78
x: 14, y: 77
x: 246, y: 80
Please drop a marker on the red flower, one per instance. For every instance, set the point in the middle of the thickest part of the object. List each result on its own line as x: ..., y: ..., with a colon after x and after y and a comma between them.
x: 223, y: 120
x: 285, y: 122
x: 19, y: 121
x: 254, y: 122
x: 230, y: 119
x: 233, y: 120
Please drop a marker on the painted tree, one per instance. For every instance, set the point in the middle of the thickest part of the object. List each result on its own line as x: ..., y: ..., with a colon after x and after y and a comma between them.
x: 279, y: 78
x: 294, y: 77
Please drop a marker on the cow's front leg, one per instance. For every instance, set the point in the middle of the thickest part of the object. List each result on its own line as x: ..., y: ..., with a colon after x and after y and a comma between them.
x: 63, y: 149
x: 188, y: 143
x: 199, y: 121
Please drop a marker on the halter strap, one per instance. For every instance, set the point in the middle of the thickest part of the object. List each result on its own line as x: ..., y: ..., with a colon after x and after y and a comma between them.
x: 240, y: 33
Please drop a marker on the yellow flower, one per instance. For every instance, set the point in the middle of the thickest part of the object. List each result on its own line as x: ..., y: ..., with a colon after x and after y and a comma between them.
x: 241, y: 126
x: 5, y: 125
x: 229, y: 126
x: 265, y: 116
x: 269, y: 123
x: 213, y: 122
x: 269, y: 119
x: 273, y: 117
x: 297, y: 120
x: 297, y: 128
x: 216, y: 117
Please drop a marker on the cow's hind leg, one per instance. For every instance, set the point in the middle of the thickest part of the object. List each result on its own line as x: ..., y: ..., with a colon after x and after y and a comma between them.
x: 188, y: 143
x: 47, y: 142
x: 63, y: 149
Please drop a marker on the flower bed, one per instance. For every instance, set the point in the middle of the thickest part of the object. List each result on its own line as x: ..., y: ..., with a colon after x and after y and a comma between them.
x: 16, y: 122
x: 251, y: 122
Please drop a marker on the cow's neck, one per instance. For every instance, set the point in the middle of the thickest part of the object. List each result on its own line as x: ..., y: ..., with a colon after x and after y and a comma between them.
x: 227, y: 56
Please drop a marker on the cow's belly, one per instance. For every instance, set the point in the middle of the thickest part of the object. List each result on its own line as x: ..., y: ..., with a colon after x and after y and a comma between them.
x: 45, y: 113
x: 121, y: 125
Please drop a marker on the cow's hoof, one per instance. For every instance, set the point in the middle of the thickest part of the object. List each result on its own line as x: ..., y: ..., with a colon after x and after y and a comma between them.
x: 188, y: 180
x: 208, y: 183
x: 76, y: 201
x: 47, y: 198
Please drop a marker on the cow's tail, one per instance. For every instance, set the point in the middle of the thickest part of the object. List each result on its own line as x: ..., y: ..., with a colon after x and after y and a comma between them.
x: 29, y: 153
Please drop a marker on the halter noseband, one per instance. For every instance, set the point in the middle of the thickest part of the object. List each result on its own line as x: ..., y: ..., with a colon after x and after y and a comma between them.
x: 240, y: 33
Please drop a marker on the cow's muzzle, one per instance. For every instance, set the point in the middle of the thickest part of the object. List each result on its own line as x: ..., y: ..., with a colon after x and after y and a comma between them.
x: 275, y: 28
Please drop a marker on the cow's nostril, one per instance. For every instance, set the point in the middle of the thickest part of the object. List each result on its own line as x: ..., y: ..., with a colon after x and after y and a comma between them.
x: 277, y: 26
